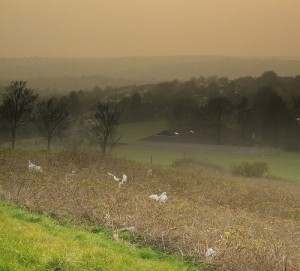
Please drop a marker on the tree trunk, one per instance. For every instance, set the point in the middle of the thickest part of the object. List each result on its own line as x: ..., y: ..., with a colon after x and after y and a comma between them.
x: 218, y: 134
x: 243, y: 134
x: 48, y: 143
x: 104, y: 143
x: 219, y: 130
x: 13, y: 138
x: 13, y: 142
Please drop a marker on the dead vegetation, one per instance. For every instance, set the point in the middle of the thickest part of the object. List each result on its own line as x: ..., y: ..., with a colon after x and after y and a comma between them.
x: 252, y: 224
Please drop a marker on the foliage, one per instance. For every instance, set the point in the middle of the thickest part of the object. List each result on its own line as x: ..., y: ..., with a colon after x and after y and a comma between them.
x: 215, y: 112
x: 244, y: 118
x: 247, y: 169
x: 270, y: 111
x: 261, y: 110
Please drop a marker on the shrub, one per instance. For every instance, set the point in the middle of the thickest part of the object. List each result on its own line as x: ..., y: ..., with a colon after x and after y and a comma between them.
x: 247, y: 169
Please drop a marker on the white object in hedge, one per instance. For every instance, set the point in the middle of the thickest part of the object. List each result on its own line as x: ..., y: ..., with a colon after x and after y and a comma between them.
x: 115, y: 177
x: 150, y: 172
x: 32, y: 166
x: 124, y: 180
x: 210, y: 252
x: 162, y: 198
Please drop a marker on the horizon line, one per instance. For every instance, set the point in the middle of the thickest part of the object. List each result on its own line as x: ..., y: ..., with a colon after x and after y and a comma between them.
x: 149, y: 56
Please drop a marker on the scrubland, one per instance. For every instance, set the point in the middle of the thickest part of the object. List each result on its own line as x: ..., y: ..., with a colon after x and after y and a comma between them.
x: 251, y: 224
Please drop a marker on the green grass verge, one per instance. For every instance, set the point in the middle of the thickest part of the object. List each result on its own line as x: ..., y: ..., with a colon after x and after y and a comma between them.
x: 35, y: 242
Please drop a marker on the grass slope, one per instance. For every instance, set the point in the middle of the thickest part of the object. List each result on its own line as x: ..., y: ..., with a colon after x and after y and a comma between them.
x: 35, y: 242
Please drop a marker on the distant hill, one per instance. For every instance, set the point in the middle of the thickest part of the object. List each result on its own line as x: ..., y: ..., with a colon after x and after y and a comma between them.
x: 65, y: 74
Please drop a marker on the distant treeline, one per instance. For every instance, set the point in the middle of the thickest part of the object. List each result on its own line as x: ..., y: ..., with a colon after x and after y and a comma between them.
x: 246, y: 111
x: 61, y: 75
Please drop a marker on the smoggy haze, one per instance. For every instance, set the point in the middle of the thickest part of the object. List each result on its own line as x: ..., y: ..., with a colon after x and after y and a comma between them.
x: 114, y: 28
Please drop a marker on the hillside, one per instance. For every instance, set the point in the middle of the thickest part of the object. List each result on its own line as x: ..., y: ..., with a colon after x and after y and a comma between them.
x: 34, y: 242
x: 251, y: 224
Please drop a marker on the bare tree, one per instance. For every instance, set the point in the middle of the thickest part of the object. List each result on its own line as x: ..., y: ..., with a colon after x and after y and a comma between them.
x: 18, y: 102
x: 52, y: 114
x: 105, y: 125
x: 216, y: 111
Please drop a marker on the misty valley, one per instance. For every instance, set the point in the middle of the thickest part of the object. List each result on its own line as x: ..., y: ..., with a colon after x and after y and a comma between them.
x: 204, y: 170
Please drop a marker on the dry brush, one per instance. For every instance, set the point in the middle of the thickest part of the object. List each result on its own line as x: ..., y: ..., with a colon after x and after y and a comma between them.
x: 252, y: 224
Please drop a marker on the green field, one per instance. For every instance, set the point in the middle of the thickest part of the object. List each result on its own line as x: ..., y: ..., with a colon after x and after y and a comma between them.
x: 282, y: 164
x: 35, y: 242
x: 129, y: 132
x: 132, y: 132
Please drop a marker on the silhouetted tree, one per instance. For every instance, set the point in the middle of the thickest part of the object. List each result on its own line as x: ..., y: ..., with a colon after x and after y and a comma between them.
x: 75, y: 103
x: 271, y: 114
x: 269, y: 79
x: 183, y: 112
x: 18, y: 102
x: 296, y: 111
x: 52, y: 114
x: 244, y: 117
x: 162, y: 94
x: 105, y: 125
x: 216, y: 111
x: 136, y: 101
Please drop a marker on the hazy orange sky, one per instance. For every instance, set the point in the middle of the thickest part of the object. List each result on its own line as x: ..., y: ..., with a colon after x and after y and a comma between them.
x: 113, y: 28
